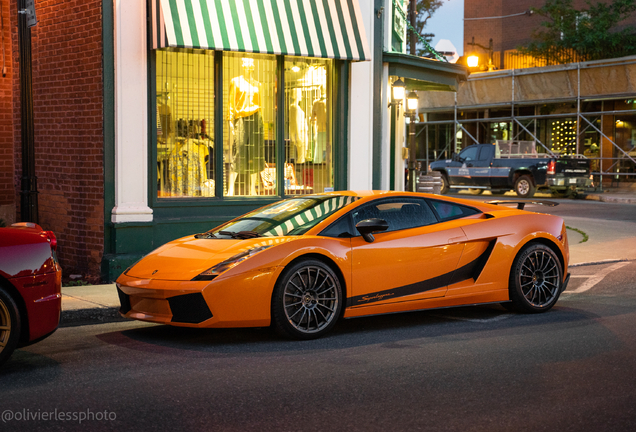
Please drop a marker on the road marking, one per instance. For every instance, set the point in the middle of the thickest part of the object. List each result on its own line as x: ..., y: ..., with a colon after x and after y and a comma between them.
x: 588, y: 284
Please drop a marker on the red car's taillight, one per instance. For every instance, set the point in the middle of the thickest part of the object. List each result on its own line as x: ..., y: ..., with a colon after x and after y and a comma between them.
x: 52, y: 239
x: 552, y: 167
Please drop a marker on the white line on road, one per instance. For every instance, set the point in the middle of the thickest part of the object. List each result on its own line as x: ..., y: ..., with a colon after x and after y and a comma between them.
x: 588, y: 284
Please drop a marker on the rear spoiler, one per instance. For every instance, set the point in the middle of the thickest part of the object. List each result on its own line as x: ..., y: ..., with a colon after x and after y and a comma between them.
x: 522, y: 204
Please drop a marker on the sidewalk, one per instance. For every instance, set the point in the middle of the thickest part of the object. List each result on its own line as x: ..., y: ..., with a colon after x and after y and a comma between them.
x: 94, y: 304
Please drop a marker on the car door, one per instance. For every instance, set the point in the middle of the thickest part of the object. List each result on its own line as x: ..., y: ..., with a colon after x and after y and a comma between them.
x: 461, y: 175
x: 413, y: 259
x: 480, y: 169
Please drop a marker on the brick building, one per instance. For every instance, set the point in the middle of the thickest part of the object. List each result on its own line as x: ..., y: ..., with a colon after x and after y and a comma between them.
x: 585, y: 108
x: 69, y: 122
x: 508, y: 23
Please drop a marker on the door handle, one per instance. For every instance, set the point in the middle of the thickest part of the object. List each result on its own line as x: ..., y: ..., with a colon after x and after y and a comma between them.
x: 456, y: 240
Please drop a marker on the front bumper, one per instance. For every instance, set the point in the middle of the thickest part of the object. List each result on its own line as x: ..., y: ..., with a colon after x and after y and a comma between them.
x: 243, y: 300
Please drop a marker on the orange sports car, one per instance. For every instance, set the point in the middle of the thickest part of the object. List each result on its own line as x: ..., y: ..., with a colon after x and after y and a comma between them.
x: 302, y: 263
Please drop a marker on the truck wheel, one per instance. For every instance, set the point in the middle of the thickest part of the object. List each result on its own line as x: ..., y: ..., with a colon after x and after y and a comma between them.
x: 445, y: 187
x: 524, y: 187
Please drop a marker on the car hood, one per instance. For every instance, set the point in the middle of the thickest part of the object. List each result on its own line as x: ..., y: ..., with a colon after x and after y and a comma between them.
x: 185, y: 258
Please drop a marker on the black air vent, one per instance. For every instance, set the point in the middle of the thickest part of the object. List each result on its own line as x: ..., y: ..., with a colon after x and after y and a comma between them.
x: 189, y: 308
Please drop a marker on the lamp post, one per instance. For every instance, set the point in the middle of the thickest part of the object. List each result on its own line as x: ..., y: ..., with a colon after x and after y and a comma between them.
x: 411, y: 109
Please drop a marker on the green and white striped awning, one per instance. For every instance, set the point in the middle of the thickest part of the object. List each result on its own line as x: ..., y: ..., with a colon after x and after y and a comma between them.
x: 309, y: 28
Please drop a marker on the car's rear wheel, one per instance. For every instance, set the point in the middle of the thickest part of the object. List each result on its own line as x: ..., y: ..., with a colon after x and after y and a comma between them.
x: 9, y: 325
x: 524, y: 187
x: 535, y: 279
x: 307, y: 300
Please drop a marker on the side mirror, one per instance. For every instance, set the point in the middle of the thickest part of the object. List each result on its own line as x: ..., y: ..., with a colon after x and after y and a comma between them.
x: 368, y: 226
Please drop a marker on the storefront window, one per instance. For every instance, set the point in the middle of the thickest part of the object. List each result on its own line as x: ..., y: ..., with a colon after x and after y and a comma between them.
x: 563, y: 136
x: 249, y: 137
x: 186, y: 102
x: 308, y: 147
x: 185, y: 119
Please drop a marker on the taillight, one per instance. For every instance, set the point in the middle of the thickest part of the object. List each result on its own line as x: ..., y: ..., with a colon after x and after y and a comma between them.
x: 51, y: 239
x: 552, y: 167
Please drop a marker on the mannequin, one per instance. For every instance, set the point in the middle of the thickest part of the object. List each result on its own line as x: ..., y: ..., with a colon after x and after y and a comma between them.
x: 246, y: 128
x: 297, y: 126
x: 319, y: 119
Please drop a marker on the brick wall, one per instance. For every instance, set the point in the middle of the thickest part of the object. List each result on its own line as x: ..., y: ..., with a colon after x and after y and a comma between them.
x: 69, y: 141
x: 508, y: 33
x: 7, y: 191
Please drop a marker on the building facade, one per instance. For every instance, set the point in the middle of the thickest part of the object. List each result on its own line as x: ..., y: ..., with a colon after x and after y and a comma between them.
x: 163, y: 118
x: 585, y: 108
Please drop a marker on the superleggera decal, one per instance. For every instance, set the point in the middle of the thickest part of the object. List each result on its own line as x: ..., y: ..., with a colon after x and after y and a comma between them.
x: 472, y: 270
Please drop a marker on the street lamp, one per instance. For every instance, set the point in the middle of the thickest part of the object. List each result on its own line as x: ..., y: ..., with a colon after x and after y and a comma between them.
x: 411, y: 110
x: 473, y: 60
x: 399, y: 89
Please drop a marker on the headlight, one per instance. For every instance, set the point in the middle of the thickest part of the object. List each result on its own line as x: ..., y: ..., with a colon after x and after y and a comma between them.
x: 229, y: 263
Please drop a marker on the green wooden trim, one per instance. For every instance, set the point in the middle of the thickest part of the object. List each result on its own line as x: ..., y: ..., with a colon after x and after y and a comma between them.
x: 152, y: 126
x: 108, y: 70
x: 340, y: 148
x: 378, y: 35
x: 280, y: 126
x: 392, y: 146
x: 219, y: 123
x: 418, y: 68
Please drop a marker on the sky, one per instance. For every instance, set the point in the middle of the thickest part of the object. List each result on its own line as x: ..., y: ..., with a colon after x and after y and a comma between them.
x: 448, y: 23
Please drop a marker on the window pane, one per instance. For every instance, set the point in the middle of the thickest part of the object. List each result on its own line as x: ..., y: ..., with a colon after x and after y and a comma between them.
x: 249, y: 135
x: 399, y: 213
x: 308, y: 120
x: 185, y: 121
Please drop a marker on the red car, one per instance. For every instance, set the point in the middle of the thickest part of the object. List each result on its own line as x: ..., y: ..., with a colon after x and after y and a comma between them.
x: 30, y: 286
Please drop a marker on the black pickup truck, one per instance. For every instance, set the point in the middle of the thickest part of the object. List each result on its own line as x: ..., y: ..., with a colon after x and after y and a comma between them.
x: 508, y: 165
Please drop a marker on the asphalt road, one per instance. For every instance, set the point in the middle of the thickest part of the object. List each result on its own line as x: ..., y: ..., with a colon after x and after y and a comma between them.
x: 469, y: 369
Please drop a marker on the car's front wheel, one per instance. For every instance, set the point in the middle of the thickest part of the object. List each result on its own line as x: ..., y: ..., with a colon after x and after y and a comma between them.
x: 536, y: 278
x: 9, y: 325
x: 307, y: 300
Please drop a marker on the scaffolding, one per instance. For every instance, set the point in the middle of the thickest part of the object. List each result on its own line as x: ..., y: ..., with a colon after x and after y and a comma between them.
x: 520, y: 124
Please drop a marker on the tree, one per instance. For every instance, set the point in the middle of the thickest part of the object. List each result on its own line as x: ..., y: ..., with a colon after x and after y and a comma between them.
x: 570, y: 35
x: 424, y: 11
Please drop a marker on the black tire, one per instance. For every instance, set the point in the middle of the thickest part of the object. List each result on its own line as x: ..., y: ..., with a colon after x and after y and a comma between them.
x: 536, y: 279
x: 524, y: 187
x: 498, y: 192
x: 445, y: 186
x: 9, y: 325
x: 307, y: 300
x: 476, y: 191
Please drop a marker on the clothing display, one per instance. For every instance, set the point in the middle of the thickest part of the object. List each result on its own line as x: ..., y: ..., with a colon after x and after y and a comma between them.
x: 187, y: 168
x: 319, y: 117
x: 250, y: 151
x: 298, y: 135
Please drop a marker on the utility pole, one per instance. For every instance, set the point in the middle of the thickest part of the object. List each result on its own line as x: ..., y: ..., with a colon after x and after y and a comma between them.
x: 412, y: 184
x: 29, y: 183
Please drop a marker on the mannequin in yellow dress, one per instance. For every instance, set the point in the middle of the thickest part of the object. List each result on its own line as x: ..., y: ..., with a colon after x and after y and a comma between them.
x: 246, y: 128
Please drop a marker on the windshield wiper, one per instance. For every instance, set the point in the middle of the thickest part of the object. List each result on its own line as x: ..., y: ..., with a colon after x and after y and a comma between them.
x: 241, y: 234
x: 205, y: 235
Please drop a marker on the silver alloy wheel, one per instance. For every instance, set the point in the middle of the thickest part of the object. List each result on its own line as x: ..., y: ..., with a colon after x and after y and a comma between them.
x: 5, y: 325
x: 539, y: 278
x: 523, y: 187
x: 311, y: 299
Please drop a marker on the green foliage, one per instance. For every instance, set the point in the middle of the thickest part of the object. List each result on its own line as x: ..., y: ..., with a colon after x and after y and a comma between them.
x: 570, y: 35
x: 424, y: 11
x: 76, y: 283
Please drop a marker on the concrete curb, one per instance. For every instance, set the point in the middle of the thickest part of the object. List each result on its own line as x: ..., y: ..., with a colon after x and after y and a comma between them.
x: 80, y: 317
x: 610, y: 198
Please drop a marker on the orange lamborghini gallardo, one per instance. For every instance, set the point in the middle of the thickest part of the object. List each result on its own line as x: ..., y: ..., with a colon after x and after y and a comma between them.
x: 302, y: 263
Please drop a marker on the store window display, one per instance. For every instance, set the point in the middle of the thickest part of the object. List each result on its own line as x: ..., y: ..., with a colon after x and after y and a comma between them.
x: 308, y: 158
x: 250, y: 124
x: 185, y: 110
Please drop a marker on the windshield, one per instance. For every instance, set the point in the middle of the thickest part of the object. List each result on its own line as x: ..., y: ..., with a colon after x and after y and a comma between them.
x: 293, y: 216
